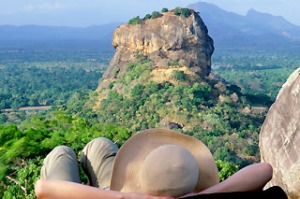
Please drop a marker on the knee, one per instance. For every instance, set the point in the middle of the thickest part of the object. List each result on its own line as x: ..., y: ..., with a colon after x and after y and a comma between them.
x: 101, y: 143
x: 101, y: 140
x: 267, y: 169
x: 100, y: 148
x: 60, y: 150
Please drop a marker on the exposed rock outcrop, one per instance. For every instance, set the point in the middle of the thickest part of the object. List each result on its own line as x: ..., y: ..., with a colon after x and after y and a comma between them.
x: 160, y: 77
x: 164, y: 40
x: 280, y: 137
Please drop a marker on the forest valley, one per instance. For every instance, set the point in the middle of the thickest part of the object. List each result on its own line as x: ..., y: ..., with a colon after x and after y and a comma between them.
x: 229, y: 127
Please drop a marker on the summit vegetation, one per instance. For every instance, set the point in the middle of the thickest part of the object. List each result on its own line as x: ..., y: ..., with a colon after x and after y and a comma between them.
x: 178, y: 11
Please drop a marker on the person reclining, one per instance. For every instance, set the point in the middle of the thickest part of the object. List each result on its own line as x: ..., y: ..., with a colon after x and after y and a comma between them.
x: 152, y: 164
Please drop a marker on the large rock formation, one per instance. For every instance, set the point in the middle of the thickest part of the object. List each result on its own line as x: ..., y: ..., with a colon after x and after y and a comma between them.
x: 280, y: 137
x: 164, y: 40
x: 160, y: 77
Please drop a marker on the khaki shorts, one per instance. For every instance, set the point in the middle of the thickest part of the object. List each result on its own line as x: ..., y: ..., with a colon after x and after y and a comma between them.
x: 97, y: 160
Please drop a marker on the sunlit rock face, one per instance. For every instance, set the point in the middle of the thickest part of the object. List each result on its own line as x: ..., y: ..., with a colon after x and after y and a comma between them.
x: 163, y: 40
x: 280, y: 137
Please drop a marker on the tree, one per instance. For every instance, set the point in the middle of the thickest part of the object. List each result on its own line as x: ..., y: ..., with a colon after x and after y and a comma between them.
x: 177, y: 11
x: 33, y: 102
x: 226, y: 169
x: 156, y: 14
x: 165, y: 10
x: 3, y: 118
x: 15, y: 105
x: 147, y: 16
x: 134, y: 21
x: 137, y: 91
x: 178, y: 75
x: 185, y: 12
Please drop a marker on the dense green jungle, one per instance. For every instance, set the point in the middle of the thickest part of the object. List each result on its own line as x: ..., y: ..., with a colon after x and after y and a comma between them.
x: 65, y: 78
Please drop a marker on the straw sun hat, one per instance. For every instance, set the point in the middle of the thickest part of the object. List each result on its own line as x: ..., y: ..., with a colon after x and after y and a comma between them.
x: 161, y: 162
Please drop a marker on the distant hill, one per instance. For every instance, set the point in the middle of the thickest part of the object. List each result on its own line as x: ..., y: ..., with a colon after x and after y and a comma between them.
x: 42, y: 33
x: 256, y: 29
x: 53, y: 37
x: 228, y: 30
x: 31, y: 37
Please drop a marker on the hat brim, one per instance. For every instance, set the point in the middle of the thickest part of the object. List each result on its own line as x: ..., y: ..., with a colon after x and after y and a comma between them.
x: 129, y: 160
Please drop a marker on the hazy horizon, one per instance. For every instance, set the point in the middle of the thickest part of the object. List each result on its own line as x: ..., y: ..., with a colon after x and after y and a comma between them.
x: 86, y: 13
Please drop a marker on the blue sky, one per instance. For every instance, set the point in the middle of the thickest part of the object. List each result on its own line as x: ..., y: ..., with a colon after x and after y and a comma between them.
x: 82, y: 13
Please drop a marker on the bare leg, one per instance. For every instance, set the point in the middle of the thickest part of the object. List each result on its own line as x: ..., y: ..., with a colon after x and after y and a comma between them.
x: 250, y: 178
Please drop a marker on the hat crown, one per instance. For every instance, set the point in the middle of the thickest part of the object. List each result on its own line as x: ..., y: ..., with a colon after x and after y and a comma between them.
x: 169, y: 170
x: 130, y: 160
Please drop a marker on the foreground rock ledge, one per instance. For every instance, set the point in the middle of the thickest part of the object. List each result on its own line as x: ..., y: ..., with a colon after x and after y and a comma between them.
x: 280, y: 137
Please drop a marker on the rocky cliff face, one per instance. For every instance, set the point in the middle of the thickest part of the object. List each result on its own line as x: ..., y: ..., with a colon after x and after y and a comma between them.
x: 280, y: 137
x: 165, y: 40
x: 160, y: 77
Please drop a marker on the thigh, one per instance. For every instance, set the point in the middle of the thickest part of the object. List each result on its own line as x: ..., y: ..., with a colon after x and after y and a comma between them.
x: 97, y: 160
x: 61, y: 164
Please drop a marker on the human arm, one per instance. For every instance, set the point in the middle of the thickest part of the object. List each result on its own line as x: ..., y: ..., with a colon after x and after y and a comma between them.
x: 251, y: 178
x: 52, y: 189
